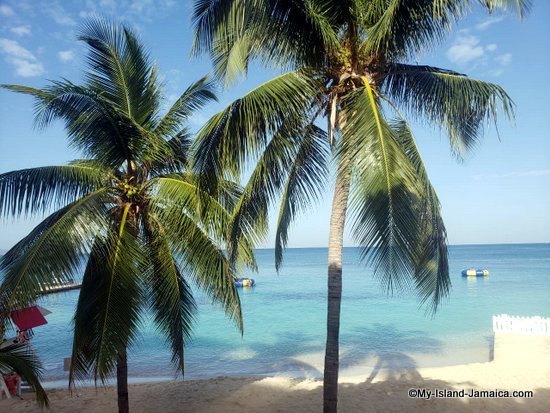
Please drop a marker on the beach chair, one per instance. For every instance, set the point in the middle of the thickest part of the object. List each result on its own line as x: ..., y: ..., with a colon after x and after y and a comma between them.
x: 11, y: 385
x: 4, y: 388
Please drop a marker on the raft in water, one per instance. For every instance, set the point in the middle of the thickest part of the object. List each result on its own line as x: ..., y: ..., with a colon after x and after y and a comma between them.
x: 472, y: 272
x: 244, y: 282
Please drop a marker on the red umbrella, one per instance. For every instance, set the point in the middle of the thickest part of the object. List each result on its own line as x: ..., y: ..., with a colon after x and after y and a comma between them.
x: 29, y: 317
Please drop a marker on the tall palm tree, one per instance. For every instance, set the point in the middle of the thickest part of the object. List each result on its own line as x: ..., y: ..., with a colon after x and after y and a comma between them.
x: 131, y: 208
x: 347, y: 61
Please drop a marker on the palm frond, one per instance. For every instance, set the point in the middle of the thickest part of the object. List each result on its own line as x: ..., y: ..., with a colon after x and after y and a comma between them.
x: 37, y: 190
x: 522, y: 7
x: 432, y: 268
x: 384, y: 192
x: 242, y: 130
x: 267, y: 180
x: 459, y: 104
x: 400, y: 29
x: 404, y: 28
x: 200, y: 257
x: 304, y: 184
x: 283, y: 33
x: 173, y: 193
x: 110, y: 302
x: 52, y: 252
x: 195, y: 97
x: 21, y: 359
x: 171, y: 299
x: 121, y: 69
x: 93, y: 125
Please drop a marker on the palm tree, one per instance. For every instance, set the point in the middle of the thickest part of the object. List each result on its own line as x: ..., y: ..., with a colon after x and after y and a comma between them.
x: 347, y: 61
x: 131, y: 208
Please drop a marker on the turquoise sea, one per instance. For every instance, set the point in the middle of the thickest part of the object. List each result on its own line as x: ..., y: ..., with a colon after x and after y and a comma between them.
x: 285, y: 318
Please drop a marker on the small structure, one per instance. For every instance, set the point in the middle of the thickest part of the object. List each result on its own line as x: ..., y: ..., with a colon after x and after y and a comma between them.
x: 533, y: 326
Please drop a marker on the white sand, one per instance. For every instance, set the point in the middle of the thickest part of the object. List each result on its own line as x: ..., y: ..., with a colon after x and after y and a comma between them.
x: 521, y: 363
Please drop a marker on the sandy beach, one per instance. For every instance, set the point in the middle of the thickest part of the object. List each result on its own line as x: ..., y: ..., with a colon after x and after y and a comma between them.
x: 520, y: 363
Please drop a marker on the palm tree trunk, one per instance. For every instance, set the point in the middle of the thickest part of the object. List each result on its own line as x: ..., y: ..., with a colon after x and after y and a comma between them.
x: 122, y: 382
x: 335, y: 244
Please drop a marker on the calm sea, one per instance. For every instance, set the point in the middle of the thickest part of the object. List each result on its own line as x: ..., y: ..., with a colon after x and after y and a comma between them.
x: 285, y: 318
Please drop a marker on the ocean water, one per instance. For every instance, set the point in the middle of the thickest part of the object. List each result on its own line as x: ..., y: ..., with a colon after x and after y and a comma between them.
x: 284, y: 318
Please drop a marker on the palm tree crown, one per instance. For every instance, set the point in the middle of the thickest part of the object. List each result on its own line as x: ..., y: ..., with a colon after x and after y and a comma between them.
x: 347, y: 61
x: 130, y: 207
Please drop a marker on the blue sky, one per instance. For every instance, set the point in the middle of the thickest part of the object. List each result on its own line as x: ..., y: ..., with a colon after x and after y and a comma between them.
x: 499, y: 194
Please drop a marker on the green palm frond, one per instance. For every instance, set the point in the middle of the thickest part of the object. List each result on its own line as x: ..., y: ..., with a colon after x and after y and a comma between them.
x: 121, y: 69
x: 37, y: 190
x: 384, y: 192
x: 432, y: 268
x: 195, y: 97
x: 21, y: 359
x: 242, y: 130
x: 522, y: 7
x: 172, y: 193
x: 93, y: 124
x: 459, y: 104
x: 199, y: 257
x: 212, y: 210
x: 304, y: 184
x: 110, y: 302
x: 172, y: 301
x: 402, y: 29
x: 169, y: 157
x: 283, y: 33
x: 267, y: 180
x: 53, y: 250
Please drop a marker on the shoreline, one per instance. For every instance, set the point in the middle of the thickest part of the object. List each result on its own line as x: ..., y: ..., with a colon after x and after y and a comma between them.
x: 312, y: 367
x: 521, y: 363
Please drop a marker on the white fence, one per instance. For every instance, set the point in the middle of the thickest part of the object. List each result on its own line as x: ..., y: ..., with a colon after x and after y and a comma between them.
x: 533, y: 326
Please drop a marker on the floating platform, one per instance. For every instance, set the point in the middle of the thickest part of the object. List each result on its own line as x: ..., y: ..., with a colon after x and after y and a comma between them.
x: 244, y: 282
x: 473, y: 272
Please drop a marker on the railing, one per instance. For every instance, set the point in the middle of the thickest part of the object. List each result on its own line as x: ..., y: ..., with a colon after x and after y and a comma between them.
x: 533, y: 326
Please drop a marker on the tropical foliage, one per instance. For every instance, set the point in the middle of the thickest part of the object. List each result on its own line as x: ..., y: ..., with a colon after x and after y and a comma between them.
x: 347, y: 61
x: 20, y: 358
x: 130, y: 208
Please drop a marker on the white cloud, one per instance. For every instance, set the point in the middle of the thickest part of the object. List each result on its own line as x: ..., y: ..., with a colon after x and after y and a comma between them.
x: 21, y: 30
x: 132, y: 10
x: 139, y: 6
x: 465, y: 49
x: 6, y: 10
x: 26, y: 68
x: 65, y: 55
x: 489, y: 22
x: 504, y: 59
x: 23, y: 60
x: 60, y: 15
x: 491, y: 47
x: 14, y: 49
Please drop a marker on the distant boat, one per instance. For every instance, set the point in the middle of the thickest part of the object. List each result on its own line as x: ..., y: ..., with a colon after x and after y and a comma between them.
x: 472, y: 272
x: 244, y: 282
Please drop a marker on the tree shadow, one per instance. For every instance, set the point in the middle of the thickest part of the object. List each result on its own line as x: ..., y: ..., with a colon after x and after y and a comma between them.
x: 298, y: 355
x: 247, y: 395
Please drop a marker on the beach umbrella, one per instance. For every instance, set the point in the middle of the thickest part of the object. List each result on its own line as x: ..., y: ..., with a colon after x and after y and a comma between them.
x: 43, y: 311
x: 26, y: 318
